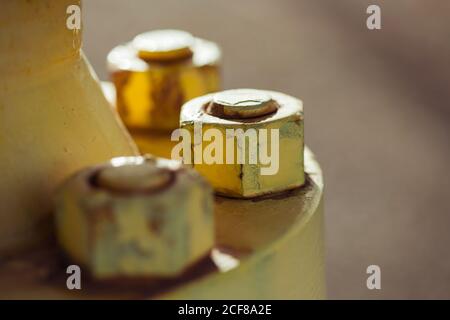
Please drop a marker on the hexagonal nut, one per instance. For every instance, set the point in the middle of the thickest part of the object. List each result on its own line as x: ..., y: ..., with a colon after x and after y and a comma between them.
x: 245, y: 142
x: 135, y: 217
x: 157, y: 72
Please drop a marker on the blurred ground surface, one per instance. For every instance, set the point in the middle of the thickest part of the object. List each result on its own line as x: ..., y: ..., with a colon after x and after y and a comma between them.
x: 377, y: 116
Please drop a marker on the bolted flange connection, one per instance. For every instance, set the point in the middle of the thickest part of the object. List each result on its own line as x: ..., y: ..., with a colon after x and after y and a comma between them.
x: 135, y: 217
x: 258, y: 141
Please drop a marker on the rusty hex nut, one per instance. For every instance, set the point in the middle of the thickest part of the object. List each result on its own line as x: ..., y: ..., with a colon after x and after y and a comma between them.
x: 246, y: 142
x: 135, y: 217
x: 158, y: 71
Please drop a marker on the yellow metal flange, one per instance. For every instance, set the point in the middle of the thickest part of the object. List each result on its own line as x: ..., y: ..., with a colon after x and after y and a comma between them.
x: 266, y: 248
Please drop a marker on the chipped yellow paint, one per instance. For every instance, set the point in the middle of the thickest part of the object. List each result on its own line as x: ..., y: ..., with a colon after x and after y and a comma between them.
x: 150, y: 93
x: 246, y: 180
x: 265, y: 249
x: 153, y: 228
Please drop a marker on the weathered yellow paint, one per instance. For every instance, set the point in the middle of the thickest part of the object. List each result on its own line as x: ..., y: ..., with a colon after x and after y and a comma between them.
x: 150, y: 93
x: 279, y: 242
x: 271, y: 249
x: 264, y: 248
x: 54, y: 118
x: 135, y: 217
x: 245, y: 180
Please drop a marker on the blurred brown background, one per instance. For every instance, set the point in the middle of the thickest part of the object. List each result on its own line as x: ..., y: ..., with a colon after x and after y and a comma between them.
x: 377, y: 116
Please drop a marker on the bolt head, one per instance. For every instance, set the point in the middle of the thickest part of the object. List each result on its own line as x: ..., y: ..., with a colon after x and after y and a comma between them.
x: 164, y: 45
x: 283, y: 129
x: 120, y: 226
x: 136, y: 177
x: 241, y: 104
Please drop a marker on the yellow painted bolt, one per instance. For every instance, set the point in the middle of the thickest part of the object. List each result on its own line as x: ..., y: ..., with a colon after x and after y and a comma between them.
x: 158, y: 71
x: 258, y: 141
x: 135, y: 217
x: 133, y: 178
x: 241, y: 104
x: 164, y: 45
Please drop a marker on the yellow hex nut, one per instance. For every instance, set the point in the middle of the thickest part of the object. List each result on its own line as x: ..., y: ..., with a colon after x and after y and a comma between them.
x: 271, y: 128
x: 159, y: 71
x: 135, y: 217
